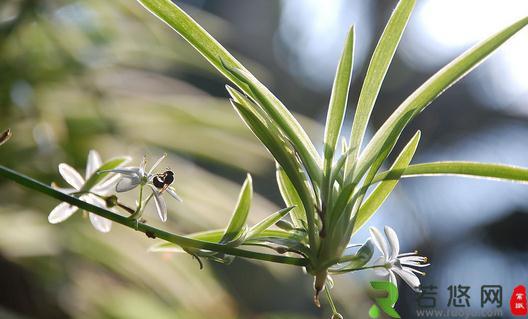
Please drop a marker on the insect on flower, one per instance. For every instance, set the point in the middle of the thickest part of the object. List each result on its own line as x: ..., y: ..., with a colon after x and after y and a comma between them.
x: 133, y: 177
x: 164, y: 180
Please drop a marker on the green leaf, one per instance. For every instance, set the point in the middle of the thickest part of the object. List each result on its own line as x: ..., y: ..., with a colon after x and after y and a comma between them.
x: 468, y: 169
x: 286, y: 159
x: 97, y: 176
x: 193, y: 33
x: 225, y: 63
x: 353, y: 262
x: 388, y: 134
x: 280, y: 116
x: 336, y: 109
x: 267, y: 222
x: 339, y: 167
x: 166, y: 247
x: 285, y: 225
x: 383, y: 190
x: 379, y: 64
x: 291, y: 198
x: 240, y: 215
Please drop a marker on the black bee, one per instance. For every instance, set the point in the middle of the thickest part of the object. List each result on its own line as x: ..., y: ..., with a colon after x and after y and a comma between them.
x: 163, y: 180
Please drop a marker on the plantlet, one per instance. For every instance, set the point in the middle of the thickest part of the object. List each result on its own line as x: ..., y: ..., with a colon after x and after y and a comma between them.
x: 325, y: 194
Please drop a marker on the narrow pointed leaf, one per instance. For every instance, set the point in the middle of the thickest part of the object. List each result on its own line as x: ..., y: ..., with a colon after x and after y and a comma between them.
x: 337, y: 108
x: 225, y: 63
x: 390, y: 131
x: 285, y: 225
x: 280, y: 116
x: 291, y: 198
x: 239, y: 217
x: 286, y: 159
x: 383, y: 190
x: 267, y: 222
x: 467, y: 169
x: 379, y: 64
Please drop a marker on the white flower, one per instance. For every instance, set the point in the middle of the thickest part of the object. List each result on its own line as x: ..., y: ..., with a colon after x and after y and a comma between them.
x: 64, y: 210
x: 395, y: 263
x: 135, y: 176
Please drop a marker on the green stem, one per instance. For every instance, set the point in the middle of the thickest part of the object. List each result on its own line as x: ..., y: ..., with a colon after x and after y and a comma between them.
x: 339, y: 272
x: 139, y: 210
x: 152, y: 231
x: 331, y: 301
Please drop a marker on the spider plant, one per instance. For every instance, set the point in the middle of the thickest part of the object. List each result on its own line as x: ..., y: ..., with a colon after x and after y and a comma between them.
x: 325, y: 194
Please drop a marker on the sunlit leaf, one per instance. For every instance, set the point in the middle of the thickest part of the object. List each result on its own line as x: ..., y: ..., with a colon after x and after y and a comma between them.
x: 291, y: 198
x: 379, y: 64
x: 383, y: 190
x: 267, y: 222
x: 280, y: 116
x: 467, y: 169
x: 241, y: 212
x: 388, y: 134
x: 336, y: 110
x: 225, y: 63
x: 286, y: 160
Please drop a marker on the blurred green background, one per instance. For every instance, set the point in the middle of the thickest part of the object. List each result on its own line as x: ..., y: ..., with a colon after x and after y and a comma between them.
x: 83, y: 74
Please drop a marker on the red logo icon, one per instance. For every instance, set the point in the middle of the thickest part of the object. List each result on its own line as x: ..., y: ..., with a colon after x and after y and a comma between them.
x: 518, y: 302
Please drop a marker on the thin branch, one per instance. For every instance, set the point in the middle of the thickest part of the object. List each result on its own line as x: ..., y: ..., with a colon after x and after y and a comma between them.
x: 182, y: 241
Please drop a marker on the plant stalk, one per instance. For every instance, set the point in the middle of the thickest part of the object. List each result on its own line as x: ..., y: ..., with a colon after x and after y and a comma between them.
x: 182, y: 241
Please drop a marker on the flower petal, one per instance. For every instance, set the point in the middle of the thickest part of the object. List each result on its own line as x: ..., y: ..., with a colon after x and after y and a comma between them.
x: 414, y: 264
x: 100, y: 223
x: 65, y: 190
x: 379, y: 241
x: 127, y: 183
x: 414, y: 270
x: 142, y: 165
x: 71, y: 176
x: 161, y: 206
x: 61, y: 212
x: 393, y: 242
x: 157, y: 163
x: 127, y: 171
x: 409, y: 278
x: 106, y: 185
x: 173, y: 193
x: 93, y: 163
x: 381, y: 271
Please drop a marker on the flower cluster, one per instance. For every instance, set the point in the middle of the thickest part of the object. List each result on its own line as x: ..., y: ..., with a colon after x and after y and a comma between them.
x: 102, y: 178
